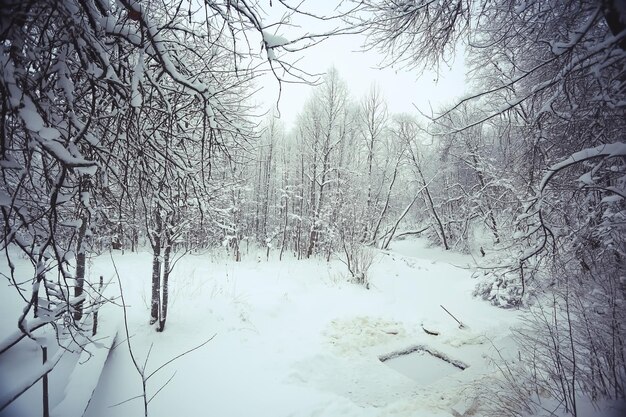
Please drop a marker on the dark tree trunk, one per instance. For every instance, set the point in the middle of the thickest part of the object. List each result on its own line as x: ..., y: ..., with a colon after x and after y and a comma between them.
x: 301, y: 212
x: 80, y: 268
x: 85, y: 186
x: 165, y: 288
x: 156, y: 280
x: 95, y: 313
x: 45, y: 396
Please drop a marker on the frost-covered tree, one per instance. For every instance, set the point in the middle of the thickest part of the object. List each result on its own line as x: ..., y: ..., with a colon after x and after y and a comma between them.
x: 549, y: 82
x: 322, y: 133
x: 104, y: 102
x: 264, y: 174
x: 373, y: 119
x: 408, y: 131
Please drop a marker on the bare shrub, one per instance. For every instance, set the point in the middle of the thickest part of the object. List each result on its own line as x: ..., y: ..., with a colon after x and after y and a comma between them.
x: 571, y: 348
x: 358, y: 258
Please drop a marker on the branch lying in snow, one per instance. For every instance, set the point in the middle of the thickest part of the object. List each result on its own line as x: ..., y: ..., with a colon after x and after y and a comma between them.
x: 421, y: 348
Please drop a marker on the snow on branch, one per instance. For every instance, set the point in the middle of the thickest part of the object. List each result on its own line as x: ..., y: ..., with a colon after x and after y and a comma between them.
x: 29, y: 326
x: 610, y: 150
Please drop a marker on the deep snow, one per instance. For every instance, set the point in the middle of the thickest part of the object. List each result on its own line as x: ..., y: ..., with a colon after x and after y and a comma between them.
x: 295, y: 339
x: 292, y: 338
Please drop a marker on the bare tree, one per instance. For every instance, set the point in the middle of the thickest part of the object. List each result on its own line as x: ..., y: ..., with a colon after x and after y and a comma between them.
x: 407, y: 131
x: 321, y: 132
x: 373, y: 118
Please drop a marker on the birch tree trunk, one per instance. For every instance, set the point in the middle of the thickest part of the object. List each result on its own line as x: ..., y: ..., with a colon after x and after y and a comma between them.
x: 155, y: 303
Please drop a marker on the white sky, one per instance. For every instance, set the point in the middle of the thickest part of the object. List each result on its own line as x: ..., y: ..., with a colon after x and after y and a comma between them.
x: 402, y: 88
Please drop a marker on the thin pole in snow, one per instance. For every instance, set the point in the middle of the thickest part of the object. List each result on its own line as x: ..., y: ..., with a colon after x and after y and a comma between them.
x: 46, y: 409
x: 461, y: 325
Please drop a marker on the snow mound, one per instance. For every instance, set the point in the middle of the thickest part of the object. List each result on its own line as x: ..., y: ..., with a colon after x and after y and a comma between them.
x: 353, y: 334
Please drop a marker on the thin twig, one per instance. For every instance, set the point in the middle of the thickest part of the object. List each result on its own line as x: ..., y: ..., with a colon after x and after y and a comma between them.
x: 162, y: 386
x: 127, y: 400
x: 179, y: 356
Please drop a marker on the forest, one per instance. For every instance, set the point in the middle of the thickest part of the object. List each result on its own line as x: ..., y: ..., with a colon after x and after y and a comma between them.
x: 142, y: 184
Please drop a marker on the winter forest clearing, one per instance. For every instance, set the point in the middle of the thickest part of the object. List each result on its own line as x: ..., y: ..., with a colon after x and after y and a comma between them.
x: 197, y: 220
x: 294, y: 338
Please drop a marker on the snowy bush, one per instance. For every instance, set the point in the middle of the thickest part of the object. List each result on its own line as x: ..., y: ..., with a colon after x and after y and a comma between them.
x: 500, y: 289
x: 358, y: 258
x: 508, y: 282
x: 506, y: 287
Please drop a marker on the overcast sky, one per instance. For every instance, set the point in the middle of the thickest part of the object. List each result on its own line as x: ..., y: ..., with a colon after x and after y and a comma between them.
x: 360, y: 69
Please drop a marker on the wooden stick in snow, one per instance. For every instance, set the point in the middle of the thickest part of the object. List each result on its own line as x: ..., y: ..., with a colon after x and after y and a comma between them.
x: 461, y: 325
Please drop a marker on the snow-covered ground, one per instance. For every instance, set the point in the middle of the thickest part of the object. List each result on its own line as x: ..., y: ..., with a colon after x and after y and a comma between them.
x: 293, y: 338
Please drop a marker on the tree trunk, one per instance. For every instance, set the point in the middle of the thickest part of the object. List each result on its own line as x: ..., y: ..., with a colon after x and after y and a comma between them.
x: 386, y: 207
x: 266, y: 197
x: 45, y: 396
x: 481, y: 180
x: 80, y: 267
x: 368, y: 204
x: 432, y: 209
x: 282, y: 245
x: 315, y: 233
x: 85, y: 187
x: 257, y: 221
x: 386, y: 243
x: 301, y: 212
x: 95, y: 313
x: 165, y: 289
x: 156, y: 271
x: 444, y: 240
